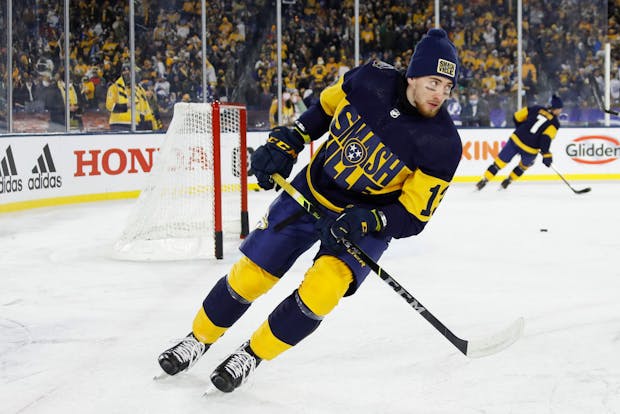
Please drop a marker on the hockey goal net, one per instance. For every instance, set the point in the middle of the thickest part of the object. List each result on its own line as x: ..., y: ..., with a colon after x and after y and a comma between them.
x: 196, y: 193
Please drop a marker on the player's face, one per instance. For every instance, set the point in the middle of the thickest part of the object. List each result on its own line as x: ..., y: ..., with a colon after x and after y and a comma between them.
x: 428, y: 93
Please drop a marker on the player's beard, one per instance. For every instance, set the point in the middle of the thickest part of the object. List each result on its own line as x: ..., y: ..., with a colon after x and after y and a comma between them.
x: 426, y: 105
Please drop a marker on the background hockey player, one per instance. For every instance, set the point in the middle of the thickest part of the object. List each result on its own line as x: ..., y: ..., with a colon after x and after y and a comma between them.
x: 536, y: 127
x: 390, y: 156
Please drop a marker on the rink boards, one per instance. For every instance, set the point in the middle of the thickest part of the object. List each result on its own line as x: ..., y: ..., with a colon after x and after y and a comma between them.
x: 45, y: 170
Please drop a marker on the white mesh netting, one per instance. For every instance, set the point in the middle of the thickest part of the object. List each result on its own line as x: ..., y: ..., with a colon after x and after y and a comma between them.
x: 174, y: 217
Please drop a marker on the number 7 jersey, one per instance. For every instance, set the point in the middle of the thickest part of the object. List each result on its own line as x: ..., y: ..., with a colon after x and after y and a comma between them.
x: 381, y: 152
x: 536, y: 127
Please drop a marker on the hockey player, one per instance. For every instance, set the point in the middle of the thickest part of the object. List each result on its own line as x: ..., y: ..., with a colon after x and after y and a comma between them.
x: 390, y: 156
x: 536, y: 127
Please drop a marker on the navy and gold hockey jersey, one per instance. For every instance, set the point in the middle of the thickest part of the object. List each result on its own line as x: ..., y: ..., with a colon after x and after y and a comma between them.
x: 381, y: 152
x: 535, y: 128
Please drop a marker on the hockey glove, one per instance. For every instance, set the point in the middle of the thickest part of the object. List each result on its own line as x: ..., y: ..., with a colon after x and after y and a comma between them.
x: 547, y: 159
x: 353, y: 224
x: 276, y: 156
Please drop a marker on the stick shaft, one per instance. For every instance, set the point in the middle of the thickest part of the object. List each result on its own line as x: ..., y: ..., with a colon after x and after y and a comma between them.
x: 598, y: 97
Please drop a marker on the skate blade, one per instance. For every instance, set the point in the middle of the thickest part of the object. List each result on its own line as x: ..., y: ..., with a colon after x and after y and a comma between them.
x: 210, y: 391
x: 160, y: 376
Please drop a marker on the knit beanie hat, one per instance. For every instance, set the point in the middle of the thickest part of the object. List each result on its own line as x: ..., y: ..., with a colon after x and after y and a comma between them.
x: 556, y: 102
x: 434, y: 54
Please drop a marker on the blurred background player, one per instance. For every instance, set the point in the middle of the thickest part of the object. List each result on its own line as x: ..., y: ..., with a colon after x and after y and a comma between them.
x: 391, y: 154
x: 536, y: 127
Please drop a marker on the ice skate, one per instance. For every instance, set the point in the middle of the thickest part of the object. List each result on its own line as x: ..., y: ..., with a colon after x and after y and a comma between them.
x: 183, y: 355
x: 235, y: 369
x: 506, y: 182
x: 480, y: 184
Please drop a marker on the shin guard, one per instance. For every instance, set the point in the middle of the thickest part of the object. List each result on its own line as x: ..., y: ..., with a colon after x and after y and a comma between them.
x: 300, y: 314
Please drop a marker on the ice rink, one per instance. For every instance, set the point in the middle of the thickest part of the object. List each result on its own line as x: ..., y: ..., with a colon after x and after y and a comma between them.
x: 80, y: 332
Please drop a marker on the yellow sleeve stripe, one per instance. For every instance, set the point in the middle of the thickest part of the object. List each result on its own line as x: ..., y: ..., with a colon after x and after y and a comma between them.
x: 551, y: 131
x: 422, y: 193
x: 521, y: 115
x: 331, y: 97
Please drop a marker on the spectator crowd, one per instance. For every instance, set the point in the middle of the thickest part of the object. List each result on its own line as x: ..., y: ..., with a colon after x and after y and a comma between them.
x: 562, y: 53
x: 168, y: 51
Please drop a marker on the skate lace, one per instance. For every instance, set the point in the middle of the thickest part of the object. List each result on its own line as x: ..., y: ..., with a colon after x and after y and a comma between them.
x: 241, y: 365
x: 189, y: 350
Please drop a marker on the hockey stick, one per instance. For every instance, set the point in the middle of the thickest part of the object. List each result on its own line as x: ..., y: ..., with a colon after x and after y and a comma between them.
x: 597, y: 96
x: 472, y: 349
x: 582, y: 191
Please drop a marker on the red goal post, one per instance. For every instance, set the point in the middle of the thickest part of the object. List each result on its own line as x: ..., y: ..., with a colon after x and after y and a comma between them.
x: 226, y: 114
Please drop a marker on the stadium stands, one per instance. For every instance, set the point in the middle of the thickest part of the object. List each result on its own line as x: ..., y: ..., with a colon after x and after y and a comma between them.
x: 563, y: 42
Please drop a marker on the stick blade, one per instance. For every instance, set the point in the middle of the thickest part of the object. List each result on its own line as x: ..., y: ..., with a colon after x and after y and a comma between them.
x: 583, y: 191
x: 498, y: 342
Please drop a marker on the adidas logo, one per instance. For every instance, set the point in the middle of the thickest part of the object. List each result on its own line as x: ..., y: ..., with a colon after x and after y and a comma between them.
x: 43, y: 169
x: 45, y: 163
x: 8, y: 164
x: 8, y: 182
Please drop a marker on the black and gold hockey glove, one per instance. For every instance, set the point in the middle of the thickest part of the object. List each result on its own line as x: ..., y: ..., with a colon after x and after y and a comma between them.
x: 278, y: 155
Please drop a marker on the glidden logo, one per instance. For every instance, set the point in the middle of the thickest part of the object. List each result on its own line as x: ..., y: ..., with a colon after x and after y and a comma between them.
x: 594, y: 149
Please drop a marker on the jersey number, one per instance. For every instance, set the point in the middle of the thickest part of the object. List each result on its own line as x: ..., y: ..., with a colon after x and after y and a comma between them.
x: 431, y: 201
x: 539, y: 121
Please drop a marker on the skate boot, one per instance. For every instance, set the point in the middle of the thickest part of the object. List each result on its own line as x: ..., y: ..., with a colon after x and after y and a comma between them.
x: 235, y: 369
x: 183, y: 355
x: 506, y: 182
x: 480, y: 184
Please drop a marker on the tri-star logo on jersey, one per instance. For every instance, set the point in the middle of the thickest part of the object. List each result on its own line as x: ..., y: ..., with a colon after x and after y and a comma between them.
x: 354, y: 153
x: 356, y: 158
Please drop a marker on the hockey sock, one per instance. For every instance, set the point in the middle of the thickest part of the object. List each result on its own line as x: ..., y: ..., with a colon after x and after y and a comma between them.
x: 220, y: 310
x: 290, y: 322
x: 518, y: 171
x: 493, y: 169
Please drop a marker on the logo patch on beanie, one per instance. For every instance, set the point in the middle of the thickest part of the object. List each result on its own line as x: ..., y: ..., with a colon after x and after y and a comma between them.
x: 445, y: 67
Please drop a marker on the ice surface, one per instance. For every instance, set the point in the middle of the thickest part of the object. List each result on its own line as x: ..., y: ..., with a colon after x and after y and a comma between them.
x: 80, y: 332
